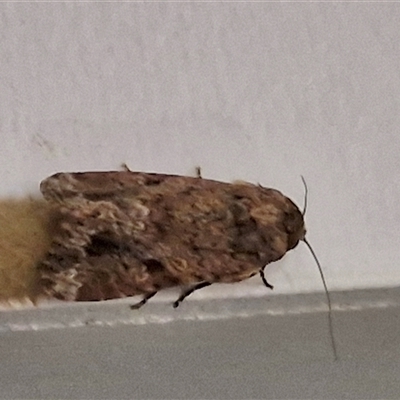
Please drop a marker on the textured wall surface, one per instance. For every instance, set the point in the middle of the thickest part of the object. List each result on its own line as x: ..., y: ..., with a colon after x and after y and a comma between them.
x: 256, y: 91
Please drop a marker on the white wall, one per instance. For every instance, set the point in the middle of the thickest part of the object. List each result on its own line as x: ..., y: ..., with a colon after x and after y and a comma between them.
x: 258, y: 91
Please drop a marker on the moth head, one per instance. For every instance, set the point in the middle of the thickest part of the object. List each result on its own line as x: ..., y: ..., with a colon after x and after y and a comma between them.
x: 294, y: 221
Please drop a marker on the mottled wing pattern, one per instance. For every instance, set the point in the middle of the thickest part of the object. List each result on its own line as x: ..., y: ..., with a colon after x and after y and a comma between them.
x: 127, y: 233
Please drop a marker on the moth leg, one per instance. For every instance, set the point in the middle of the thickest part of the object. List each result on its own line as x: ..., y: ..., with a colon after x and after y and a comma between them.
x: 198, y: 173
x: 142, y: 302
x: 125, y: 167
x: 189, y: 291
x: 268, y: 285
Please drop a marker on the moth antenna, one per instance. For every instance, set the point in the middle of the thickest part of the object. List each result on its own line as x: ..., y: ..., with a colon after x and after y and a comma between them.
x: 328, y: 298
x: 305, y: 195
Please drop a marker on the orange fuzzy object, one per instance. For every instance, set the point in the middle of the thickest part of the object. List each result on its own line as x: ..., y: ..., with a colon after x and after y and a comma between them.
x: 25, y: 237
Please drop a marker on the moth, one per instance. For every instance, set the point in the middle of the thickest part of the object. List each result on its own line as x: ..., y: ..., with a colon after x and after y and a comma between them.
x: 125, y: 233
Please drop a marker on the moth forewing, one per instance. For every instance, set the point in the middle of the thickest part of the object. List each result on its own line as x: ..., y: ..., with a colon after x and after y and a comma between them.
x: 125, y: 233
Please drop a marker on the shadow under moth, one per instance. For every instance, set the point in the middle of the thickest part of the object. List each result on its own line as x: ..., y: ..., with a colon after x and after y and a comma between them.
x: 125, y: 233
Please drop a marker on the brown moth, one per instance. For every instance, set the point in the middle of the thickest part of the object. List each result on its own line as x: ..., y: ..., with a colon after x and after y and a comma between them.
x: 126, y: 233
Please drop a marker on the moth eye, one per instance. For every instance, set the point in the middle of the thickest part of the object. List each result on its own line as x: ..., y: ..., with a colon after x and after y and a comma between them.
x: 292, y: 243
